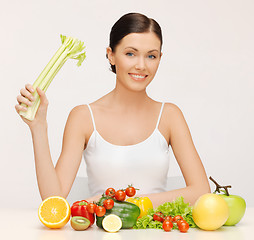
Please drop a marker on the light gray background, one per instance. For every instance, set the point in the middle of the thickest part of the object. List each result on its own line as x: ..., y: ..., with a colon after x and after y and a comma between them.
x: 206, y: 69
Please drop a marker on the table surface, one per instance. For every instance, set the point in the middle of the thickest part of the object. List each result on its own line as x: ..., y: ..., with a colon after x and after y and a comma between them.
x: 24, y: 223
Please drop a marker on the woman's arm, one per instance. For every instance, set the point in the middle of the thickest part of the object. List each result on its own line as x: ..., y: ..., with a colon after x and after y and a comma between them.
x: 187, y: 157
x: 54, y: 180
x: 74, y: 140
x: 59, y: 179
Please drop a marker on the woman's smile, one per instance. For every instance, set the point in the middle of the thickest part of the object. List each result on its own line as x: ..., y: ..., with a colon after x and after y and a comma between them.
x: 138, y: 77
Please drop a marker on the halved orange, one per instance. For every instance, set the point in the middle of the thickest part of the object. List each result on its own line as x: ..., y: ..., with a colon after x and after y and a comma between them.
x: 54, y: 212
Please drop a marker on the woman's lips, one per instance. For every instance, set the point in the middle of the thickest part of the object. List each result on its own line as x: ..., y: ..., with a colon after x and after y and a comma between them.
x: 138, y: 77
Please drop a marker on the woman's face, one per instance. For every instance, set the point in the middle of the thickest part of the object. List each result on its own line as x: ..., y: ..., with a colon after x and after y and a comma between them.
x: 136, y: 59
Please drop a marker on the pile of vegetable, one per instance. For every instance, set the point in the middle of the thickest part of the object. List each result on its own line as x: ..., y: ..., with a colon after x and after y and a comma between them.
x: 114, y: 203
x: 138, y: 213
x: 128, y: 212
x: 110, y: 207
x: 172, y: 211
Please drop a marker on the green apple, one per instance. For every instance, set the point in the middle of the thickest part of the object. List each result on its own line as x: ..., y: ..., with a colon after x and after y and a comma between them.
x: 237, y: 207
x: 236, y: 204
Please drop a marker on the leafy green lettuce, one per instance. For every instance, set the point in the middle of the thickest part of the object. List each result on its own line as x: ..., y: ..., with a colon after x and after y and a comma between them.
x: 177, y: 207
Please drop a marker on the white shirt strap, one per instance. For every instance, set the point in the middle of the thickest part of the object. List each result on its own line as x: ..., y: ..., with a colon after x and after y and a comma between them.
x: 162, y: 105
x: 92, y: 116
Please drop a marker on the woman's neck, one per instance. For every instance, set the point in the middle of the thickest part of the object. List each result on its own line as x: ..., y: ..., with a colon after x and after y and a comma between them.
x: 129, y: 99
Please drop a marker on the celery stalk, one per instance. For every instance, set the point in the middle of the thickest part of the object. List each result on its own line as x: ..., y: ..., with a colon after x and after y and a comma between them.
x: 71, y: 48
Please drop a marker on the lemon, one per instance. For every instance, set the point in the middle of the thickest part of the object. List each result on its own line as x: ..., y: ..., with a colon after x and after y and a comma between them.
x: 112, y: 223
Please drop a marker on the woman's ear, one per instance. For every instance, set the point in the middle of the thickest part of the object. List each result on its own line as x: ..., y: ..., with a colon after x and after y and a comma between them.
x: 110, y: 56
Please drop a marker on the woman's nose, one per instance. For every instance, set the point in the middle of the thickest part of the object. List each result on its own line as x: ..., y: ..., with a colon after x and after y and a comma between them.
x: 140, y: 64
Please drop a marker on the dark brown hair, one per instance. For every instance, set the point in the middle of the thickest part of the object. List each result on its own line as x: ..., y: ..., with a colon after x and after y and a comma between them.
x: 132, y: 23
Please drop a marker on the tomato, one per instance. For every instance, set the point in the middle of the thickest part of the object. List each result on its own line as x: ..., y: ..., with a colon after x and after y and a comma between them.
x: 183, y: 226
x: 108, y: 203
x: 120, y: 195
x: 110, y: 192
x: 167, y: 225
x: 100, y: 211
x: 169, y: 218
x: 91, y: 207
x: 177, y: 218
x: 158, y: 216
x: 210, y: 211
x: 130, y: 191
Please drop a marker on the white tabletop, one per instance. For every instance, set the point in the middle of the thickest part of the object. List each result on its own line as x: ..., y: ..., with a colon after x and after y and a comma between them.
x: 21, y: 223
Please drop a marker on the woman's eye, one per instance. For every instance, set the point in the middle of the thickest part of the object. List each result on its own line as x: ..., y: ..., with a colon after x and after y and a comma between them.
x: 151, y: 56
x: 129, y: 54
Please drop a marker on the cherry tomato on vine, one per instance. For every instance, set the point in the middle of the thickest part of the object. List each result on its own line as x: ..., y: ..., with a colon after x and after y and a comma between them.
x: 183, y: 226
x: 110, y: 192
x: 167, y: 225
x: 120, y: 195
x: 91, y: 207
x: 169, y: 218
x: 177, y: 218
x: 158, y: 216
x: 100, y: 211
x: 130, y: 191
x: 108, y: 203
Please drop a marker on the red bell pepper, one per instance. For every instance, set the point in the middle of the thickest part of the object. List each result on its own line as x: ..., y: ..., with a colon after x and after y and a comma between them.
x: 79, y: 208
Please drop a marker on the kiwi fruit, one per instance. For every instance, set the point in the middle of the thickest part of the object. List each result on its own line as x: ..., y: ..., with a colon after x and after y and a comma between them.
x: 79, y: 223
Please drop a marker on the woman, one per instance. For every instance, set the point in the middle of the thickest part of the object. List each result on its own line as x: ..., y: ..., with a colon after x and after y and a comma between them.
x: 124, y: 135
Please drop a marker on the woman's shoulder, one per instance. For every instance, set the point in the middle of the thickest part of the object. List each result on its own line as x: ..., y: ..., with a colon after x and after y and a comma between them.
x: 172, y: 113
x: 174, y: 117
x: 79, y: 111
x: 80, y: 115
x: 79, y: 119
x: 172, y: 108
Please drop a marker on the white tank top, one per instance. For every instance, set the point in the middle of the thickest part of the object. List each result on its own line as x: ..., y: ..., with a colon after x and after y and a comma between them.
x: 145, y: 164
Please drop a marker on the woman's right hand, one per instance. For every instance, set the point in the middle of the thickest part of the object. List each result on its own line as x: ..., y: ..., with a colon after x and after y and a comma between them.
x: 26, y: 97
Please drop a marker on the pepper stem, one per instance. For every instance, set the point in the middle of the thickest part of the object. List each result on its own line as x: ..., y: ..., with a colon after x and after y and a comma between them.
x: 218, y: 187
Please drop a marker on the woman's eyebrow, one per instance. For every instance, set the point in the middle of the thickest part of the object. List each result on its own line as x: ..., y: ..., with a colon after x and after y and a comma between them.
x: 135, y: 49
x: 154, y: 50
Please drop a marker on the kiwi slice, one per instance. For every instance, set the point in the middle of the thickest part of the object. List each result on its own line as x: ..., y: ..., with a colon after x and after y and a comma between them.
x: 79, y: 223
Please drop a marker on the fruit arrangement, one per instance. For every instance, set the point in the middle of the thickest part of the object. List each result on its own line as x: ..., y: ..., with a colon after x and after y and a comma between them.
x: 120, y: 209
